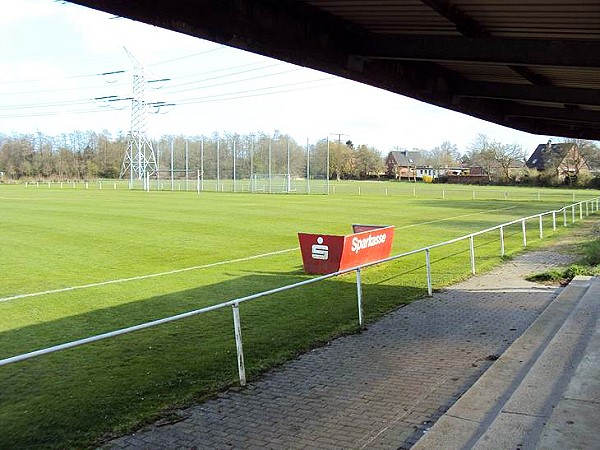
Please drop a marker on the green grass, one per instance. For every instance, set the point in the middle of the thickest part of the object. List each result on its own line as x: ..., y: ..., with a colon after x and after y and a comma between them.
x: 53, y: 238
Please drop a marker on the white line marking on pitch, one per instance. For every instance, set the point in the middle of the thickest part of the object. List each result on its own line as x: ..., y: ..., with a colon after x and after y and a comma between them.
x: 454, y: 217
x: 205, y: 266
x: 143, y: 277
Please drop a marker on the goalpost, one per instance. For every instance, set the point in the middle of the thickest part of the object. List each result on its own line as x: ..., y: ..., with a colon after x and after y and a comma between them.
x: 270, y: 183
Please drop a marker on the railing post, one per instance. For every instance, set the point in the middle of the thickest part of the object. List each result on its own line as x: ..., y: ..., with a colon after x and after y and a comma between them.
x: 501, y: 241
x: 472, y: 245
x: 238, y: 343
x: 564, y: 217
x: 359, y: 298
x: 428, y: 266
x: 553, y: 220
x: 580, y: 210
x: 573, y: 213
x: 541, y: 227
x: 524, y: 233
x: 587, y: 208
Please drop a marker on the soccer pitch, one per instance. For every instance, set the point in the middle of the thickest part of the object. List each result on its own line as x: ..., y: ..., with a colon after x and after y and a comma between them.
x: 78, y: 262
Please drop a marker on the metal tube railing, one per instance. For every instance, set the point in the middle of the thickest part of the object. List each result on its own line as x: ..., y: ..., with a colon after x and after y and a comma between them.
x: 236, y: 302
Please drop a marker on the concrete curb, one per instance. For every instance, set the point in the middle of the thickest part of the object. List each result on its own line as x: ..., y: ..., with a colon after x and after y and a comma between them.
x: 510, y: 404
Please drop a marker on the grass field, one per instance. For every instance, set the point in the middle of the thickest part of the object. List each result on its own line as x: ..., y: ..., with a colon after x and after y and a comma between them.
x: 216, y: 246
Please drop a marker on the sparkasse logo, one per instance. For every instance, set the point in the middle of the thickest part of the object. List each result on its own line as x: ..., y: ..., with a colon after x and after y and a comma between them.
x: 369, y: 241
x: 320, y: 251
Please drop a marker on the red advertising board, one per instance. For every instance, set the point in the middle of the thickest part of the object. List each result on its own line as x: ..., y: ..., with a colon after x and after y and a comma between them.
x: 325, y: 253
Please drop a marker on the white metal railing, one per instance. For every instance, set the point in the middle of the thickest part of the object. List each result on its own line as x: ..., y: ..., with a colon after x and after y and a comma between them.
x: 592, y: 206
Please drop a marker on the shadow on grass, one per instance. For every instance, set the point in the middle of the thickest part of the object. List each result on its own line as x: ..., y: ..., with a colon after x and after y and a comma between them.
x: 74, y: 397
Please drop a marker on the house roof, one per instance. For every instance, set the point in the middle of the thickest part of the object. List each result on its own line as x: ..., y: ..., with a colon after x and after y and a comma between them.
x: 407, y: 158
x: 544, y: 153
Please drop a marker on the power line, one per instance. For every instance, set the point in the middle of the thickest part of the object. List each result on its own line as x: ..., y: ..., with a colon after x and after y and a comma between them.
x: 200, y: 100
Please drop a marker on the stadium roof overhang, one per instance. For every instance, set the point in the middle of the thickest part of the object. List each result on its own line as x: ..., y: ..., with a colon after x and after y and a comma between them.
x: 532, y: 65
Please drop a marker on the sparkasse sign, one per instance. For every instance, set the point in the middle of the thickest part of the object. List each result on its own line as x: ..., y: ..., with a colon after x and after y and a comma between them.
x: 326, y: 253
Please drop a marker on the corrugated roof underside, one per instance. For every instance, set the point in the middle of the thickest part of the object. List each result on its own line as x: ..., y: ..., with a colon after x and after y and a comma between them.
x: 557, y: 19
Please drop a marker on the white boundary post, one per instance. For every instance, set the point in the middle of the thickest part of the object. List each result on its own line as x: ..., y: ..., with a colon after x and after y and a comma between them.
x: 580, y: 211
x: 541, y: 227
x: 198, y: 181
x: 553, y: 220
x: 359, y: 298
x: 172, y: 168
x: 238, y: 343
x: 187, y: 166
x: 428, y: 265
x: 502, y: 253
x: 587, y: 208
x: 472, y: 245
x: 564, y: 217
x: 234, y: 167
x: 202, y: 164
x: 573, y: 213
x: 524, y: 233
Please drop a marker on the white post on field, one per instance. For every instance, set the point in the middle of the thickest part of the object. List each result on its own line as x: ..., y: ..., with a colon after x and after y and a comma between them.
x: 288, y: 176
x: 158, y: 166
x: 187, y: 166
x: 234, y: 174
x: 307, y: 167
x: 573, y: 213
x: 428, y: 266
x: 327, y: 174
x: 202, y: 164
x: 541, y: 227
x: 251, y: 188
x: 218, y: 165
x: 359, y: 298
x: 580, y: 211
x: 553, y: 220
x: 238, y: 343
x: 172, y: 168
x: 198, y: 182
x: 472, y: 248
x: 270, y: 166
x: 564, y: 217
x: 587, y: 210
x: 147, y: 181
x: 524, y: 233
x: 502, y: 252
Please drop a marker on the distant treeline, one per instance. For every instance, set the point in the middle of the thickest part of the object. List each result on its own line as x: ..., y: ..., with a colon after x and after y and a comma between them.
x: 90, y: 155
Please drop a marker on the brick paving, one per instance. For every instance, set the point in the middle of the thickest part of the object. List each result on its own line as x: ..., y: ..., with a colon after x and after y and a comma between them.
x: 380, y: 389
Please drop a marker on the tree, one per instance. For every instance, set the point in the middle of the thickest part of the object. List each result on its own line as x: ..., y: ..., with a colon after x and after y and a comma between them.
x: 507, y: 156
x: 444, y: 155
x: 480, y: 153
x: 368, y: 161
x: 493, y: 156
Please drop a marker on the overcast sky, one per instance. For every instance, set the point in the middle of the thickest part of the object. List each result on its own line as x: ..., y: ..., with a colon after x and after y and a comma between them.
x: 56, y: 61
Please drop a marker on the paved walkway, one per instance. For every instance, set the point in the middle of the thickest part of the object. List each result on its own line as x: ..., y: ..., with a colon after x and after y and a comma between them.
x: 379, y: 389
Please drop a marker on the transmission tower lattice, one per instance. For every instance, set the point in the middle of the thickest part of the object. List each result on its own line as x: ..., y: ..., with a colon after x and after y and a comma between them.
x: 140, y: 160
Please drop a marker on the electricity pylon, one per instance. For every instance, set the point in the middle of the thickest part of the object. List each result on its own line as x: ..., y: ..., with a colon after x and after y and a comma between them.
x: 139, y: 160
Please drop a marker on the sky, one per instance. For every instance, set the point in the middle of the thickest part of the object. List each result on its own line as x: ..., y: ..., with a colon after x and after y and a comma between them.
x: 64, y: 67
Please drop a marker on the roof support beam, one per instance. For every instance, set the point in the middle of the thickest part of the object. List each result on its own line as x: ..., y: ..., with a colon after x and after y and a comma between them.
x: 504, y: 51
x: 465, y: 24
x: 573, y: 116
x: 506, y: 91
